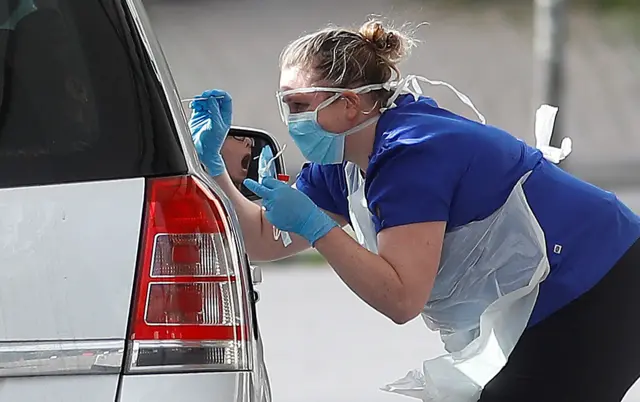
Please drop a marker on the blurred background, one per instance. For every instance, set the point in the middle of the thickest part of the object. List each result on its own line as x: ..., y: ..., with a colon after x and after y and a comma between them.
x: 321, y: 342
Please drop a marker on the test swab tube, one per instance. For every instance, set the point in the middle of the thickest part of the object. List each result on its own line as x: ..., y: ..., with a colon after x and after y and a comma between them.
x: 286, y: 238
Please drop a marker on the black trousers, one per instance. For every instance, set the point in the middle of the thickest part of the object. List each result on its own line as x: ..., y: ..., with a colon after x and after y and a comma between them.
x: 587, y: 351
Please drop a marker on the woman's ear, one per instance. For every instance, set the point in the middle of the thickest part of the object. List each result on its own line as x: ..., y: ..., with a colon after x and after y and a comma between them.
x: 353, y: 104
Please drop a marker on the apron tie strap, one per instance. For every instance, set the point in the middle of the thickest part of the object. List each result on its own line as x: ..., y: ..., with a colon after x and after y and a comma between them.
x: 543, y: 126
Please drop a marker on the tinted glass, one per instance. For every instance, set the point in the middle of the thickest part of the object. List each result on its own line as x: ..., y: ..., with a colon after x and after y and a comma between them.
x: 79, y: 99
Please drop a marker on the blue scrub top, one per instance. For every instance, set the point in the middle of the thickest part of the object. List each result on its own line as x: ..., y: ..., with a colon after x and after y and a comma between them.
x: 429, y: 164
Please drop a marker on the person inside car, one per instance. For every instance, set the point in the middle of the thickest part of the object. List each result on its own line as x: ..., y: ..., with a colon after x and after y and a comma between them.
x: 236, y: 153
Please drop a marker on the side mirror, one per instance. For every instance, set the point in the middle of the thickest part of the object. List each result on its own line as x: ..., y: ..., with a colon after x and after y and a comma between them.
x: 241, y: 153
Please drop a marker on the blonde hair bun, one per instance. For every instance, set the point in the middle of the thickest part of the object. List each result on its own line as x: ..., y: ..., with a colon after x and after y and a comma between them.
x: 393, y: 45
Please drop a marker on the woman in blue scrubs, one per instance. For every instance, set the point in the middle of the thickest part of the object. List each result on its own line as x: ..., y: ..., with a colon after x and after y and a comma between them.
x: 455, y: 220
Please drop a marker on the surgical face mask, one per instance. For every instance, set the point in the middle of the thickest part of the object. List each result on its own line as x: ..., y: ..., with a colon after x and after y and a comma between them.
x: 317, y: 144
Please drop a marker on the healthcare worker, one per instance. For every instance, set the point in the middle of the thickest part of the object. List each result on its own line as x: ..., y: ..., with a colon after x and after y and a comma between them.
x: 530, y: 275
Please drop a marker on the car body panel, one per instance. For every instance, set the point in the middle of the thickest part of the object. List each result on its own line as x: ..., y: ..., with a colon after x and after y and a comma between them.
x: 71, y: 388
x: 68, y: 255
x: 195, y: 387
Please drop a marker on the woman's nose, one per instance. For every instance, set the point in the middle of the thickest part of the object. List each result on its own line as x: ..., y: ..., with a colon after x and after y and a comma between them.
x: 248, y: 142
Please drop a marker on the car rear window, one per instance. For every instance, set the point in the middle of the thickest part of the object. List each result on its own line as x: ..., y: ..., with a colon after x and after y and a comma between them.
x: 79, y: 98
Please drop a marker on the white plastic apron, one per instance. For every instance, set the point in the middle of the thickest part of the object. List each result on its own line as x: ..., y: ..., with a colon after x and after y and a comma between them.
x: 485, y: 290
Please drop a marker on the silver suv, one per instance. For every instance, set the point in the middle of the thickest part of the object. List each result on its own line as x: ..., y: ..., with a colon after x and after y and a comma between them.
x: 123, y: 274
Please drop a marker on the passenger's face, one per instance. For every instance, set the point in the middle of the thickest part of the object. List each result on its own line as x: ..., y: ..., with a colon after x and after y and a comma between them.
x: 236, y: 153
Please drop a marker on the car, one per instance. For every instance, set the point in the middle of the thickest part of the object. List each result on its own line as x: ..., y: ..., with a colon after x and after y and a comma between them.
x: 123, y: 272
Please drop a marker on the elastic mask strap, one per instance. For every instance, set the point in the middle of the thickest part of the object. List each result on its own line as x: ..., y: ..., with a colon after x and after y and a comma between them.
x: 464, y: 98
x: 372, y: 109
x: 361, y: 126
x: 312, y: 113
x: 372, y: 120
x: 359, y: 90
x: 399, y: 88
x: 369, y: 88
x: 327, y: 102
x: 410, y: 84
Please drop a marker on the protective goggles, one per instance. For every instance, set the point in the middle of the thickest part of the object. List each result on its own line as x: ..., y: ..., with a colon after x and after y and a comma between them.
x: 285, y: 110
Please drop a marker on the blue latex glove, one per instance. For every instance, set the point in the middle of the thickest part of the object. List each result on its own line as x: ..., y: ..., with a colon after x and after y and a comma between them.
x: 290, y: 210
x: 210, y: 122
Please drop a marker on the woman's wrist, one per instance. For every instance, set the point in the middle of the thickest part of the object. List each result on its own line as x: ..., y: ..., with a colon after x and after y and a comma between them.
x: 321, y: 232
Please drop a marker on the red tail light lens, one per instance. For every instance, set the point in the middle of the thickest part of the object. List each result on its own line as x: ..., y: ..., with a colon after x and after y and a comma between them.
x: 191, y: 306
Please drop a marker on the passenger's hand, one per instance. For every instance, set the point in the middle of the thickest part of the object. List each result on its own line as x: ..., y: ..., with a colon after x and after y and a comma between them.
x: 210, y: 122
x: 290, y: 210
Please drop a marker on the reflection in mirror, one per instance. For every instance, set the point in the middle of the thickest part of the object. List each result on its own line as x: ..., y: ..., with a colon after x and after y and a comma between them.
x: 241, y: 152
x: 237, y: 153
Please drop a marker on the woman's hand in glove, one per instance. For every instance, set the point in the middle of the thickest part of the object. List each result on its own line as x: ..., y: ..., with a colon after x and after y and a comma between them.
x: 209, y: 124
x: 290, y: 210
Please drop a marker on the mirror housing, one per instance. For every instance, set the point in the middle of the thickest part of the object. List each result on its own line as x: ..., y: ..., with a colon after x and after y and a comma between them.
x: 235, y: 151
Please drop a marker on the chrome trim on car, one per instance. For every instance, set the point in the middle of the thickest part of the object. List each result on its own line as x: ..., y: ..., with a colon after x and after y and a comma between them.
x: 47, y: 358
x: 256, y: 274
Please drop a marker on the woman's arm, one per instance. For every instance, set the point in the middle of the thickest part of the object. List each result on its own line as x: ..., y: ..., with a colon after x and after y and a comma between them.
x: 398, y: 281
x: 256, y: 229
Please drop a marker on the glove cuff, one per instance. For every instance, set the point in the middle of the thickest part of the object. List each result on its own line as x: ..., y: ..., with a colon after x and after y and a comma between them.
x: 321, y: 226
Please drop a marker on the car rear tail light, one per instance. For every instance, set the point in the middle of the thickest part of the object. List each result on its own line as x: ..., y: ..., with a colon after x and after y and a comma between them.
x: 191, y: 306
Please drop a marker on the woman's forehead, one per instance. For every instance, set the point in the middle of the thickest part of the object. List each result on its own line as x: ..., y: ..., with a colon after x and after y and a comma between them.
x: 294, y: 78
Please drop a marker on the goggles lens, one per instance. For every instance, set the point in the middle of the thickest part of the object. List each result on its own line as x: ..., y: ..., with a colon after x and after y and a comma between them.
x: 285, y: 110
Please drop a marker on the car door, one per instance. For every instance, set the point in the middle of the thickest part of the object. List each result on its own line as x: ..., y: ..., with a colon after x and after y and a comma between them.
x: 83, y: 122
